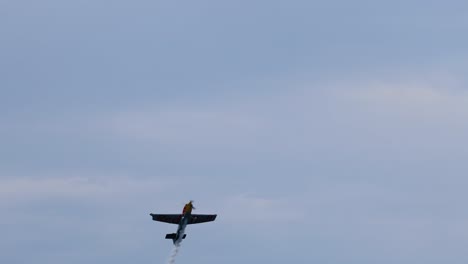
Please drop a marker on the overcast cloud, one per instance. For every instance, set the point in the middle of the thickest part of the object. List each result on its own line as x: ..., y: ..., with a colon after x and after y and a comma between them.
x: 326, y: 132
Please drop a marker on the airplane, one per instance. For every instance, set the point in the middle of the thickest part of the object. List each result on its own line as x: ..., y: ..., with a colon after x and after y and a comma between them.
x: 184, y: 219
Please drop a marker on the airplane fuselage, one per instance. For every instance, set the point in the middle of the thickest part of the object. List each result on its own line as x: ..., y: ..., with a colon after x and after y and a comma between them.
x: 181, y: 228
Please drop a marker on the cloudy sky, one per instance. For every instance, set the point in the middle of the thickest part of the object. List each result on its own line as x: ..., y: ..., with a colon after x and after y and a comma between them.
x: 318, y: 131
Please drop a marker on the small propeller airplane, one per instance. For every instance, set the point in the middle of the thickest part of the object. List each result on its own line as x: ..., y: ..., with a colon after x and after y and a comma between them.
x: 184, y: 219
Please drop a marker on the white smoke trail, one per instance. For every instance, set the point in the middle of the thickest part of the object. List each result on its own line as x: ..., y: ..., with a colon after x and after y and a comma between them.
x: 174, y: 253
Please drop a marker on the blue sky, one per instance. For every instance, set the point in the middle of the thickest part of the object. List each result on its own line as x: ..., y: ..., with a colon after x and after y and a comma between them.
x: 319, y: 131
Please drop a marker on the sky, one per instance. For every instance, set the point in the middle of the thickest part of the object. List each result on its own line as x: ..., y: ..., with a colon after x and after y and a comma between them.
x: 319, y: 131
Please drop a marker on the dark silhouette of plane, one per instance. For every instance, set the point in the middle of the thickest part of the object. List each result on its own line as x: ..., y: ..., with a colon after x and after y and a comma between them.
x: 184, y: 219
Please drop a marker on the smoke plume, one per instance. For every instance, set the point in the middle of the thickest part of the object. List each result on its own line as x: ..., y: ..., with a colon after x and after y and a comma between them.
x: 174, y: 253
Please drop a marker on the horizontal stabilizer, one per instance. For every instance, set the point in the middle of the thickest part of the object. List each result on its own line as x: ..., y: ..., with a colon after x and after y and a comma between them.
x: 173, y: 236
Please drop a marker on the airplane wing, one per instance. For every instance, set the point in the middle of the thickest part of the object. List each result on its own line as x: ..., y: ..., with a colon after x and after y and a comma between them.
x: 167, y: 218
x: 199, y: 218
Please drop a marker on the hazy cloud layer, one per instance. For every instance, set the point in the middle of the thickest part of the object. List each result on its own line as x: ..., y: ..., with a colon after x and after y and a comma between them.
x: 319, y: 132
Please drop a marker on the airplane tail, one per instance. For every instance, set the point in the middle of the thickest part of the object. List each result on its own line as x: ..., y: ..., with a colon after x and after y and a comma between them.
x: 173, y: 236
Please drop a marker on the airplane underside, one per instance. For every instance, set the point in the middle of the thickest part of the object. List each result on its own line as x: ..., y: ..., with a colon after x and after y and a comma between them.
x: 184, y: 219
